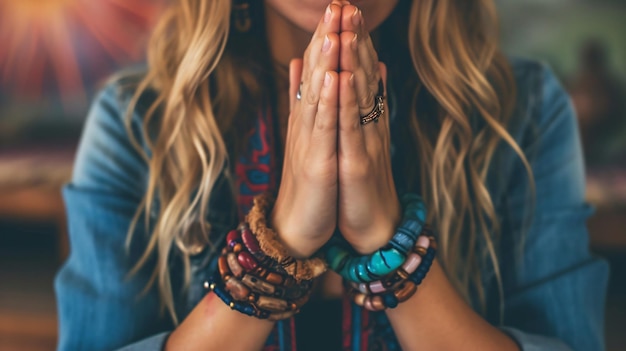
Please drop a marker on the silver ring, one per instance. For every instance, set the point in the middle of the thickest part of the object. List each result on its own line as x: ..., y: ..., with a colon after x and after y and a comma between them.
x: 299, y: 93
x: 379, y: 107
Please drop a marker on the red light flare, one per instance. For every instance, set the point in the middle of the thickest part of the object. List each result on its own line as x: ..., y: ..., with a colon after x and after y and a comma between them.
x: 41, y: 39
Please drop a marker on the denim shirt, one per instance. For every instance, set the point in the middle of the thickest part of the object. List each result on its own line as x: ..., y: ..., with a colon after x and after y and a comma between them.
x: 554, y: 288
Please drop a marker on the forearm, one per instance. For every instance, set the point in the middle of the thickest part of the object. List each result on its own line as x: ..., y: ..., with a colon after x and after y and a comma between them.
x: 437, y: 318
x: 214, y: 326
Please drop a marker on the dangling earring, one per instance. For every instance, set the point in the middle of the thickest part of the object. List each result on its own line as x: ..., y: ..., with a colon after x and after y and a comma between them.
x: 241, y: 13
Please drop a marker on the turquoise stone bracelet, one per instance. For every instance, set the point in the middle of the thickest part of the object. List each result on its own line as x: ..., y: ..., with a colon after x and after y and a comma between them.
x: 365, y: 269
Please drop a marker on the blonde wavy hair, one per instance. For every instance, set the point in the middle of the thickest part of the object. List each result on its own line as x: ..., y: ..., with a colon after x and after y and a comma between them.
x: 462, y: 77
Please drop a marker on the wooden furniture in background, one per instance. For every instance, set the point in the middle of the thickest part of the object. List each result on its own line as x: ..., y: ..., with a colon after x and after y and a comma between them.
x: 31, y: 179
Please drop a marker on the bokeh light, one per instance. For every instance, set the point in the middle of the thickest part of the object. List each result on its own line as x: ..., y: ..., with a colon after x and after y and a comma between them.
x: 59, y: 46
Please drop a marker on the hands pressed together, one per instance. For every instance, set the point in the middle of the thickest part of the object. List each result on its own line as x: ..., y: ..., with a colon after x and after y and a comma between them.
x: 336, y: 174
x: 336, y: 171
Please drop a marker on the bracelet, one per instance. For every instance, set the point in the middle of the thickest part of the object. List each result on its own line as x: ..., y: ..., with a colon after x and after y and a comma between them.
x: 247, y: 308
x: 256, y: 287
x: 242, y: 281
x: 365, y: 269
x: 262, y: 294
x: 390, y: 282
x: 268, y: 243
x: 248, y: 260
x: 403, y: 291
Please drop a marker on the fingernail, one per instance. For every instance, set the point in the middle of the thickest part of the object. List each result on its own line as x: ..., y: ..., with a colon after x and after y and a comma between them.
x: 356, y: 16
x: 351, y: 80
x: 327, y: 79
x: 354, y: 41
x: 328, y: 14
x: 326, y: 45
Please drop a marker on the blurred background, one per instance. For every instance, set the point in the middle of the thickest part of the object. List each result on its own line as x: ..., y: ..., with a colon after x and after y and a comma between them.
x: 54, y: 55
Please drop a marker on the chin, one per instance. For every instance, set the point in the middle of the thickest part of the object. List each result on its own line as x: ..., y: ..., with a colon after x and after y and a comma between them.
x: 306, y: 14
x: 309, y: 23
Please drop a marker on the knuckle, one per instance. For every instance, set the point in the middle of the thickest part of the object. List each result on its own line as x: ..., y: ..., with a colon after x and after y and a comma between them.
x: 372, y: 76
x: 350, y: 126
x: 344, y: 78
x: 325, y: 99
x: 312, y: 97
x: 322, y: 124
x: 374, y: 65
x: 367, y: 100
x: 346, y: 37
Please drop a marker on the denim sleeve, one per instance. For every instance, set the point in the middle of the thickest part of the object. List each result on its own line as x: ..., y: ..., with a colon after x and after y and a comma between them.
x: 554, y: 288
x: 100, y: 306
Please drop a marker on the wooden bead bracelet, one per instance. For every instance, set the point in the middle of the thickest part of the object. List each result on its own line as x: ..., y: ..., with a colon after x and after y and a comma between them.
x: 256, y: 285
x: 248, y: 308
x: 258, y: 280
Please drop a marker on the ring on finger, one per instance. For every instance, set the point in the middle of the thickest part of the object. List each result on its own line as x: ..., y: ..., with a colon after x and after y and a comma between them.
x: 379, y: 106
x: 299, y: 93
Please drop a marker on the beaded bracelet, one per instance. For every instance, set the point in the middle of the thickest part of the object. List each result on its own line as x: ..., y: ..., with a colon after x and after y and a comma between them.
x: 269, y: 244
x: 411, y: 264
x: 248, y: 260
x: 265, y: 295
x: 249, y: 287
x: 238, y: 296
x: 244, y: 281
x: 391, y: 299
x: 237, y: 262
x: 365, y: 269
x: 247, y: 308
x: 395, y: 279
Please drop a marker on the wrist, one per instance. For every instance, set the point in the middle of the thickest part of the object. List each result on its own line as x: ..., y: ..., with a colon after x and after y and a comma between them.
x: 301, y: 241
x: 372, y: 240
x: 373, y: 237
x: 298, y: 247
x: 375, y: 231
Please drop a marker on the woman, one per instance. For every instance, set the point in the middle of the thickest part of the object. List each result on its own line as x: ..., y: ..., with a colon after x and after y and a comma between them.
x: 174, y: 156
